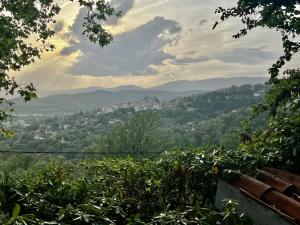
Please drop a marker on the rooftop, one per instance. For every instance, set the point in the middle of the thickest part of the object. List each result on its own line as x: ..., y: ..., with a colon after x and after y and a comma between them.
x: 275, y: 189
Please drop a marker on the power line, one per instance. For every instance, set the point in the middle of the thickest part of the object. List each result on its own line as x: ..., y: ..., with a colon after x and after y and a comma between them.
x: 76, y: 153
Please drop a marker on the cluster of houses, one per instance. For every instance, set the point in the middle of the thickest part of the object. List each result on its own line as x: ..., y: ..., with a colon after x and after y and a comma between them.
x: 146, y: 103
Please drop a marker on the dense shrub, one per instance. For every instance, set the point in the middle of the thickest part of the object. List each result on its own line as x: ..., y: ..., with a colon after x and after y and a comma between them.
x: 178, y: 188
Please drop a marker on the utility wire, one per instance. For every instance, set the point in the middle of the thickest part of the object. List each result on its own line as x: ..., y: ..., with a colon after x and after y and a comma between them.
x: 76, y: 153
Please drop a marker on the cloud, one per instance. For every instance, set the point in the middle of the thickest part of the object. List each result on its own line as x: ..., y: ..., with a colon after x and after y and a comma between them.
x: 59, y: 26
x: 188, y: 60
x: 244, y: 56
x: 131, y: 53
x: 170, y: 74
x: 247, y: 56
x: 69, y: 50
x: 124, y: 6
x: 202, y: 22
x: 185, y: 60
x: 119, y: 5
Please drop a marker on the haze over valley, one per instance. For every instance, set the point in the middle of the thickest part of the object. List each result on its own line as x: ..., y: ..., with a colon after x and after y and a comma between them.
x: 94, y: 98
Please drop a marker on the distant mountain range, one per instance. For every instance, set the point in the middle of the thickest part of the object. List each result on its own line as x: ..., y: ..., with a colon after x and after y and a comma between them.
x: 209, y: 84
x: 182, y: 85
x: 95, y: 97
x: 91, y: 89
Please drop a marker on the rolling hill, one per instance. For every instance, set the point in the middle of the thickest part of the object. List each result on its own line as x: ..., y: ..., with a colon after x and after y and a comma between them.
x: 87, y: 101
x: 91, y: 98
x: 209, y: 84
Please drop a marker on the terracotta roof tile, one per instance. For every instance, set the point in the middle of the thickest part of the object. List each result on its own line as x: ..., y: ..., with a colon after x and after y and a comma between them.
x: 278, y: 189
x: 284, y: 175
x: 253, y: 186
x: 277, y: 183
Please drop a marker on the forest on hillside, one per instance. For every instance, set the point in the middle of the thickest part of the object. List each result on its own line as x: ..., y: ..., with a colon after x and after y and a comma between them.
x: 210, y: 118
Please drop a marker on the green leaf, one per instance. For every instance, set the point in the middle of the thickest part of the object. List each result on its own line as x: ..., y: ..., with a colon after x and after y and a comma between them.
x: 16, y: 211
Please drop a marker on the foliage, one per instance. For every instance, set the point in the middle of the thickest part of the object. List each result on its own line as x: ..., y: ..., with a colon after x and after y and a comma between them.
x: 138, y: 134
x: 278, y: 143
x: 178, y: 188
x: 11, y: 163
x: 205, y: 216
x: 284, y: 96
x: 280, y: 140
x: 210, y: 118
x: 26, y: 27
x: 215, y: 103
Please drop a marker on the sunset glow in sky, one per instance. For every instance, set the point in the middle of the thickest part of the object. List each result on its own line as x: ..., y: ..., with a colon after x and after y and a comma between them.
x: 155, y: 41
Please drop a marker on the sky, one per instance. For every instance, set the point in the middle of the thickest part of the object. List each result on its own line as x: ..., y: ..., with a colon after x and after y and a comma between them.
x: 155, y: 42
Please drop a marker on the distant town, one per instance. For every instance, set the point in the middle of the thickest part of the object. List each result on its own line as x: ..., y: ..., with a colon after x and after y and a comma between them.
x: 146, y: 103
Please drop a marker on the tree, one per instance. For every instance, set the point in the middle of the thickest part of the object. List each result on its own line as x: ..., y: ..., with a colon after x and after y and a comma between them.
x: 138, y: 134
x: 278, y: 143
x: 26, y: 27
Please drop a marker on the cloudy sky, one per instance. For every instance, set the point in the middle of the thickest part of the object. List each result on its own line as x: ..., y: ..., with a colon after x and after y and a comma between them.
x: 155, y: 41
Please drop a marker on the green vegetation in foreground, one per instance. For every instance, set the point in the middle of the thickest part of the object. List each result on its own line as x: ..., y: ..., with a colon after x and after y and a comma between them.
x: 177, y: 188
